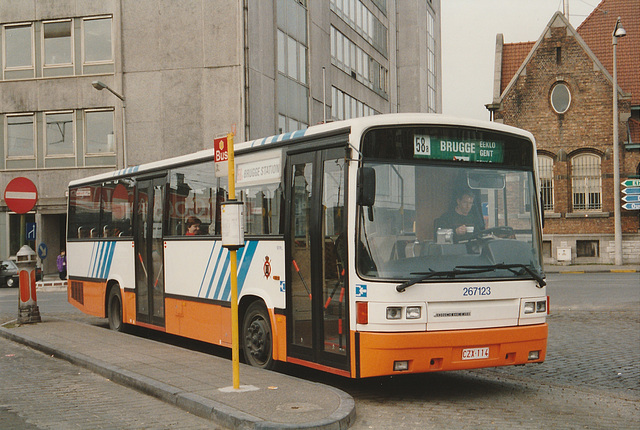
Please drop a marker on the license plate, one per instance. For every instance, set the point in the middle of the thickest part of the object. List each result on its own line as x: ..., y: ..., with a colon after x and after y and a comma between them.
x: 475, y: 353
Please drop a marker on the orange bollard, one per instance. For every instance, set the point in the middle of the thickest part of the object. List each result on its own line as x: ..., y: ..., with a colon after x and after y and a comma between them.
x: 28, y: 311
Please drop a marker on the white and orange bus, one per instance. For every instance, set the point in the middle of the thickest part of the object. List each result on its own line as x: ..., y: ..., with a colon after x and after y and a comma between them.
x: 390, y: 244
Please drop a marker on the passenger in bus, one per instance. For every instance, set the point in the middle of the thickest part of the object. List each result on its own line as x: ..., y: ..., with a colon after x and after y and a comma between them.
x: 193, y: 226
x: 464, y: 218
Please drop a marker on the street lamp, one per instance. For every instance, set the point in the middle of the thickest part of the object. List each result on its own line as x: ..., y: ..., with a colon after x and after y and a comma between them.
x: 618, y: 32
x: 102, y: 86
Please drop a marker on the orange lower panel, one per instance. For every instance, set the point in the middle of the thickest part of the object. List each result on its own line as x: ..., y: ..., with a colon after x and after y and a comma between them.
x: 436, y: 351
x: 129, y: 307
x: 201, y: 321
x: 93, y: 297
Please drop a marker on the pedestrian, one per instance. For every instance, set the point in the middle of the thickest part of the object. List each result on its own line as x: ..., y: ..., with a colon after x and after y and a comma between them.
x: 62, y: 265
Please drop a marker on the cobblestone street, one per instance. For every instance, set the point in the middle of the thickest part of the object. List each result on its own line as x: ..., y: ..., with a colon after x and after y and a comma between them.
x: 42, y: 392
x: 590, y: 379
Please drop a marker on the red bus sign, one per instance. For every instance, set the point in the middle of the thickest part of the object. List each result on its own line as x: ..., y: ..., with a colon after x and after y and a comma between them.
x: 221, y: 156
x: 21, y: 195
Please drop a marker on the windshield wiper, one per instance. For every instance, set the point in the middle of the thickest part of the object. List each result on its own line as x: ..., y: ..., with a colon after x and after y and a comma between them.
x: 511, y: 267
x: 470, y: 270
x: 444, y: 274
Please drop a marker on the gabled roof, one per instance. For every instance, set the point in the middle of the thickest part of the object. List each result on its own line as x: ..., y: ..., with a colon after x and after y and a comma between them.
x: 596, y: 31
x: 558, y: 20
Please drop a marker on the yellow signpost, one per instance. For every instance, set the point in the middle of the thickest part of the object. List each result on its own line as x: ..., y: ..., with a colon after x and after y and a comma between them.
x: 235, y: 344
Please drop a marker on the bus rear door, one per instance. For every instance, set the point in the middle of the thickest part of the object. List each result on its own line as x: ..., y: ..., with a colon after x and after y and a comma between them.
x: 148, y: 223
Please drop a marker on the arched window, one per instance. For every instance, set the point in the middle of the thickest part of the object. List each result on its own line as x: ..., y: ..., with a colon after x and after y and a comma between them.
x: 586, y: 182
x: 545, y: 172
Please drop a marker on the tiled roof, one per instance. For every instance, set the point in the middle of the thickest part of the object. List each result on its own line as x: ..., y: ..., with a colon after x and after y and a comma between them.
x: 596, y: 31
x: 513, y: 55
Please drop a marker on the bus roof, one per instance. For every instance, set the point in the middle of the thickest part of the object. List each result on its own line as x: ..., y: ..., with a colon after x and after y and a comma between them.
x: 353, y: 126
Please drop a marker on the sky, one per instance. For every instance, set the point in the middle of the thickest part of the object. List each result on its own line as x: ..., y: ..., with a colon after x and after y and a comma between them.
x: 469, y: 29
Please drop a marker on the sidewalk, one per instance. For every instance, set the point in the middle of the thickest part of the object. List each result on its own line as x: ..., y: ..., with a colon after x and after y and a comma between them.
x: 590, y: 268
x: 199, y: 383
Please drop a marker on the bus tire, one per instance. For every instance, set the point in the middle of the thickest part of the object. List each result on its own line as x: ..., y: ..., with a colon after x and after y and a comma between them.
x: 114, y: 309
x: 257, y: 337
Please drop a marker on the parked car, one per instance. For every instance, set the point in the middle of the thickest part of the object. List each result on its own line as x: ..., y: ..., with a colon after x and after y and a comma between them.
x: 9, y: 274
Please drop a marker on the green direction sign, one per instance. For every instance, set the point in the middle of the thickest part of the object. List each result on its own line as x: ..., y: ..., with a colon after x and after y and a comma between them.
x: 480, y: 151
x: 631, y: 183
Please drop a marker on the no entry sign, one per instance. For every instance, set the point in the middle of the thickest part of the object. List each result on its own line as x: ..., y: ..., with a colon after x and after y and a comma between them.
x: 21, y: 195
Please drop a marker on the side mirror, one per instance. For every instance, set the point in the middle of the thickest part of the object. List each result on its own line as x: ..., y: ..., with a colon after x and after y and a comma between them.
x: 366, y: 186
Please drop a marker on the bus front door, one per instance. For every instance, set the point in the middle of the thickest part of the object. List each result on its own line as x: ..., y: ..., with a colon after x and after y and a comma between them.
x: 317, y: 321
x: 149, y: 249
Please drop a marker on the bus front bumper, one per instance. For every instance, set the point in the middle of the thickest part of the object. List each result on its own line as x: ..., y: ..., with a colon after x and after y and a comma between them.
x: 419, y: 352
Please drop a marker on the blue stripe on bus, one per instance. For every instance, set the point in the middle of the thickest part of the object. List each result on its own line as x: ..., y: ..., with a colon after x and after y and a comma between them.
x: 100, y: 262
x: 245, y: 264
x: 279, y: 138
x: 112, y: 248
x: 91, y: 259
x: 215, y: 267
x: 224, y: 276
x: 246, y: 257
x: 101, y: 259
x: 206, y: 269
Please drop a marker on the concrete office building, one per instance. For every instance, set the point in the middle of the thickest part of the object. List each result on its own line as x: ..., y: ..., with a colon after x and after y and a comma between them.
x: 188, y: 71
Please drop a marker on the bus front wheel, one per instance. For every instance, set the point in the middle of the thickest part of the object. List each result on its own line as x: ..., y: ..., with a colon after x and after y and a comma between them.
x: 114, y: 309
x: 256, y: 336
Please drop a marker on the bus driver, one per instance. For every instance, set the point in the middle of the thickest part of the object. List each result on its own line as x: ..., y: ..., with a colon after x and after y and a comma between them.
x: 464, y: 219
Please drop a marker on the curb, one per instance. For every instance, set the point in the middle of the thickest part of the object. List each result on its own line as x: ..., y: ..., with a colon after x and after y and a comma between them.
x: 195, y: 404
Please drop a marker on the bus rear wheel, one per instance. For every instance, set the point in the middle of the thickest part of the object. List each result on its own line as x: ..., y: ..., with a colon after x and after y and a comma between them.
x: 257, y: 338
x: 114, y: 309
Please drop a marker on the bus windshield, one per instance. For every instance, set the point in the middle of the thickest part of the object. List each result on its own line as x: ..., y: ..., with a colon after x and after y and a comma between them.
x: 434, y: 221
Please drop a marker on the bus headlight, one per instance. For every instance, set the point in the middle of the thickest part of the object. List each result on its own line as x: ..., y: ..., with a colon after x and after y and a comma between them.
x: 394, y: 313
x: 414, y: 312
x: 541, y: 306
x: 529, y: 307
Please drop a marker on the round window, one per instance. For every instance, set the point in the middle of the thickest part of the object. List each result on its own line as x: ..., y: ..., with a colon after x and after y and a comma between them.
x: 560, y: 97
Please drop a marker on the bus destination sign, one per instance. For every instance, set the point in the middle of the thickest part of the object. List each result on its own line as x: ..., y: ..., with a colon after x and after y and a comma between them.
x: 479, y: 151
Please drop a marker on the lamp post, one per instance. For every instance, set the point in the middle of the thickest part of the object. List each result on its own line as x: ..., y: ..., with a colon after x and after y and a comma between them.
x: 102, y: 86
x: 618, y: 32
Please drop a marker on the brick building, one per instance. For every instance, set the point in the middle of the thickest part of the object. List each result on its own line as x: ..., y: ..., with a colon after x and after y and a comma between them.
x: 560, y: 88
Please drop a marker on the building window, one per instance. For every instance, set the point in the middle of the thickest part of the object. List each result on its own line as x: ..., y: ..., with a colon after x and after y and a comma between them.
x: 586, y: 182
x: 58, y: 43
x: 99, y: 132
x: 560, y: 97
x: 293, y: 93
x: 545, y: 172
x: 18, y: 46
x: 97, y: 40
x: 59, y: 134
x: 350, y: 58
x: 292, y: 58
x: 359, y: 17
x: 20, y: 136
x: 343, y: 106
x: 587, y: 248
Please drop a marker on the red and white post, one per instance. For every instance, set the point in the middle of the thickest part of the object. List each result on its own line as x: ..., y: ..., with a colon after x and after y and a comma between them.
x: 28, y: 311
